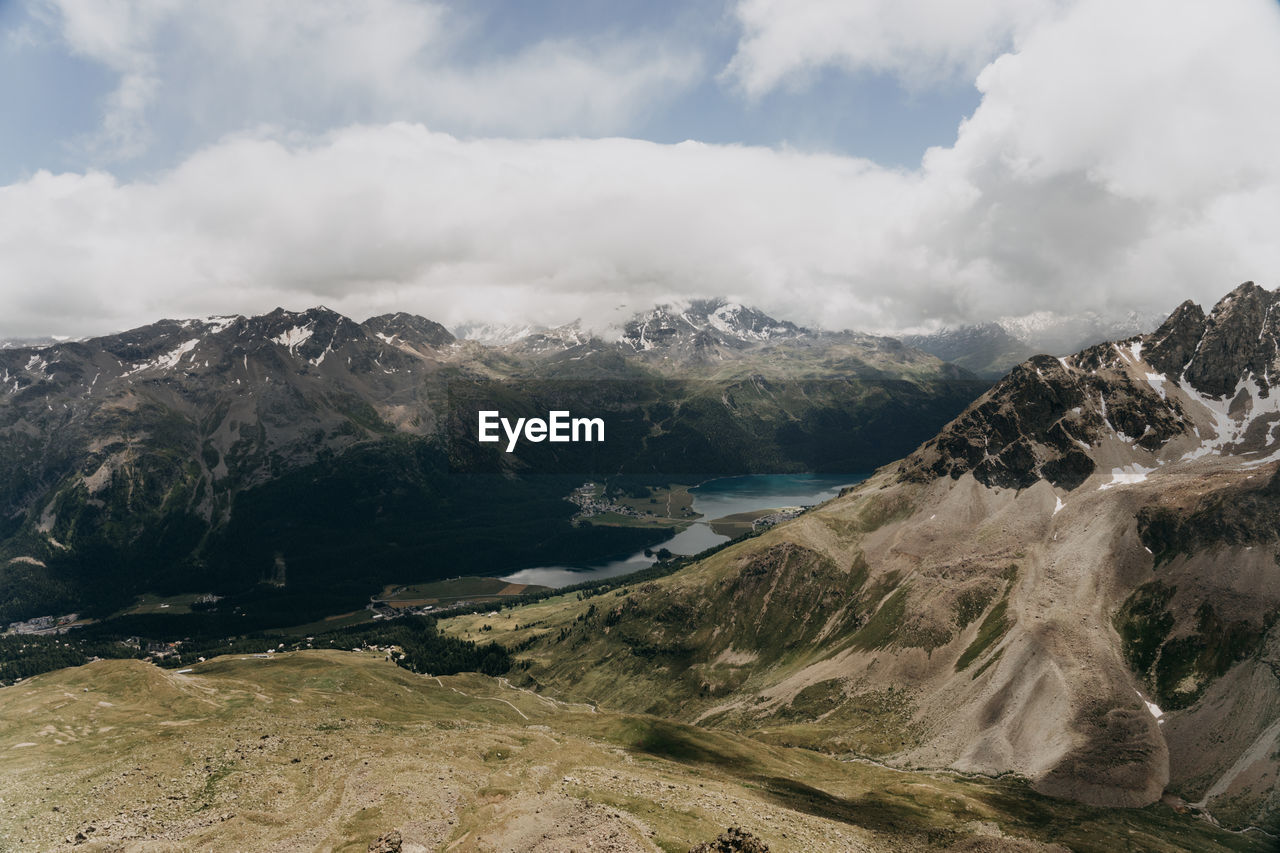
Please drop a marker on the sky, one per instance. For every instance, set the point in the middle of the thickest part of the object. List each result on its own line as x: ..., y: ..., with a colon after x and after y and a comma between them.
x: 884, y: 165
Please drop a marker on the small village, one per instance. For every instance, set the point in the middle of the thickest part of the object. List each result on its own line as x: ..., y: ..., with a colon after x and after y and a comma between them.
x: 593, y: 501
x: 591, y: 504
x: 44, y: 625
x: 777, y: 517
x: 384, y: 610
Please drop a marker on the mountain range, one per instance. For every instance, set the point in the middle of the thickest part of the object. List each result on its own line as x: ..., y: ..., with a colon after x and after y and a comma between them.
x: 1050, y: 626
x: 190, y: 455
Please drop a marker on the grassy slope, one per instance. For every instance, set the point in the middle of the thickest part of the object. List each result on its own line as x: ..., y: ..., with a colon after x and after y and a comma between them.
x: 728, y: 627
x: 331, y: 749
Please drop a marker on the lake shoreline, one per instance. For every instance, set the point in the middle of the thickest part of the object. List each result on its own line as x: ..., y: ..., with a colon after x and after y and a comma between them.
x: 732, y: 504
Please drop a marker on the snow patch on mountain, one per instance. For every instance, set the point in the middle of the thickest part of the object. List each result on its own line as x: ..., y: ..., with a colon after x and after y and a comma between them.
x: 707, y: 320
x: 1127, y: 476
x: 167, y: 361
x: 215, y: 325
x: 1157, y: 382
x: 1234, y: 415
x: 294, y: 337
x: 1152, y: 707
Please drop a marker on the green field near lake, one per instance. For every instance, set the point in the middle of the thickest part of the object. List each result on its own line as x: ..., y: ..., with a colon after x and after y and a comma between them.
x: 453, y: 590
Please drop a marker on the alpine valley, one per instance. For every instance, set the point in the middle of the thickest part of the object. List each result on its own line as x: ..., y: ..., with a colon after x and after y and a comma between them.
x: 297, y: 462
x: 1050, y: 624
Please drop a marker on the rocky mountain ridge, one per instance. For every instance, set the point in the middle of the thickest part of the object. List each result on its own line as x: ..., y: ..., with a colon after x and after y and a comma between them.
x: 1198, y: 385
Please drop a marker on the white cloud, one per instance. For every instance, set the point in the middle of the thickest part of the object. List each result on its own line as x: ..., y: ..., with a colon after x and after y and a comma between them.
x: 1123, y: 152
x: 1122, y: 158
x: 920, y: 41
x: 400, y: 216
x: 311, y: 64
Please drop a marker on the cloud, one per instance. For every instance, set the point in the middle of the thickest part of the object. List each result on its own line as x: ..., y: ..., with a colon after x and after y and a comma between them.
x: 402, y: 217
x: 214, y: 68
x: 1122, y: 158
x: 1123, y: 152
x: 919, y: 41
x: 116, y: 33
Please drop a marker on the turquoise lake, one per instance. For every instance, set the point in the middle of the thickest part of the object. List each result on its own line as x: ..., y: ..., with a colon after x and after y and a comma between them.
x: 713, y: 499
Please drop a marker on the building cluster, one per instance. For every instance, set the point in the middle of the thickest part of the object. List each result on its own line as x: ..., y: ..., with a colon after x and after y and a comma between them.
x: 44, y: 625
x: 390, y: 610
x: 777, y: 517
x: 160, y: 651
x: 590, y: 504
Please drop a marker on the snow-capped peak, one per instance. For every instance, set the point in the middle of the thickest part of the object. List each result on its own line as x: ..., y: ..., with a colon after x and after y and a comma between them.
x: 729, y: 322
x: 496, y: 334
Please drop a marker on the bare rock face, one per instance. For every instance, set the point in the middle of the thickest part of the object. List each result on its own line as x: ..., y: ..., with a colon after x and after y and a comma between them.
x: 999, y: 439
x: 1171, y: 346
x: 1239, y: 338
x: 1041, y: 421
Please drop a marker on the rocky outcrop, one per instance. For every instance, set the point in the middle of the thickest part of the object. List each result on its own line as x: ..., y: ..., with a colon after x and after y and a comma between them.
x: 390, y: 842
x: 734, y: 840
x: 1239, y: 339
x: 1041, y: 422
x: 1171, y: 346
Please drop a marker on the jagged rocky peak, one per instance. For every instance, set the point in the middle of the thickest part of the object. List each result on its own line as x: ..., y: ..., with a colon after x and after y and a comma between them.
x: 152, y: 350
x: 715, y: 320
x: 1239, y: 340
x: 1196, y: 387
x: 1171, y: 346
x: 309, y: 334
x: 1236, y: 342
x: 1037, y: 423
x: 283, y: 322
x: 156, y: 340
x: 408, y: 328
